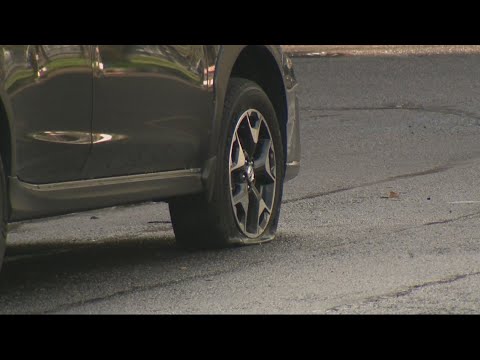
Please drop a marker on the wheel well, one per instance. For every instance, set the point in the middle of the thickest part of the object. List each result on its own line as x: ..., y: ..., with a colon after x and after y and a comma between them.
x: 5, y: 141
x: 257, y: 64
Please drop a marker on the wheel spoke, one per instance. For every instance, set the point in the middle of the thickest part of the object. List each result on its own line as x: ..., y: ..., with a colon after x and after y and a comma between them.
x: 256, y: 211
x: 255, y: 129
x: 263, y: 166
x: 239, y: 156
x: 241, y: 202
x: 241, y: 196
x: 261, y: 203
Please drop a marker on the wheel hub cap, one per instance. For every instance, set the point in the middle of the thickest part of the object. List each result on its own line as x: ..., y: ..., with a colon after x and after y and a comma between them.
x: 250, y: 174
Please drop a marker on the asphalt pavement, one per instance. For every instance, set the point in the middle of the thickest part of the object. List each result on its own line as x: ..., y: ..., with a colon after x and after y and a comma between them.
x: 379, y: 50
x: 384, y: 217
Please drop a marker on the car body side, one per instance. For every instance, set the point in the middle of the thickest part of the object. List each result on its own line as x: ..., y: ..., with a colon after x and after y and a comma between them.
x: 265, y: 64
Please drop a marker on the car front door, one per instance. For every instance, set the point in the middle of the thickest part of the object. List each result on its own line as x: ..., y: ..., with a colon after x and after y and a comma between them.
x: 152, y: 108
x: 50, y: 91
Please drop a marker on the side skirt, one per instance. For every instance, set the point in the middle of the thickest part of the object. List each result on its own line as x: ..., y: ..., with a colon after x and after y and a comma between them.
x: 29, y: 201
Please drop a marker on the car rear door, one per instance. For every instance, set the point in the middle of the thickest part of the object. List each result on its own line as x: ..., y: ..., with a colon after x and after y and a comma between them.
x: 152, y: 109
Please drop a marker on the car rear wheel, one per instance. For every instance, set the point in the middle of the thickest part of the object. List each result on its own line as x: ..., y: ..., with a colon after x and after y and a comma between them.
x: 248, y: 184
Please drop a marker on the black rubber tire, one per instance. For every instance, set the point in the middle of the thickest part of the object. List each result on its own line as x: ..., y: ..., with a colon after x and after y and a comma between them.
x: 198, y: 223
x: 3, y: 214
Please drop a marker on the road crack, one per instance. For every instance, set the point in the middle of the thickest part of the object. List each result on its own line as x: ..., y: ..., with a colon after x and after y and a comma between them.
x: 440, y: 222
x: 431, y: 171
x: 467, y: 216
x: 141, y: 288
x: 445, y: 110
x: 404, y: 292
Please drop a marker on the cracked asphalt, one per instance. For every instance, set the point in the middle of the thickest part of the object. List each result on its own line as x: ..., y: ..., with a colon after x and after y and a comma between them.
x: 383, y: 219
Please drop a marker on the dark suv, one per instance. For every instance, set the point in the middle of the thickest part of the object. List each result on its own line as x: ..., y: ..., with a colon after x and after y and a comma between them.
x: 211, y: 129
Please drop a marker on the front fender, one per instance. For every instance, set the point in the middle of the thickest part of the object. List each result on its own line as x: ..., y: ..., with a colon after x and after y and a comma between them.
x: 222, y: 59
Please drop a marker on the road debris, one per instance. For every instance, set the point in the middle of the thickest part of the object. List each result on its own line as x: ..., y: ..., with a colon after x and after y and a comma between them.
x: 465, y: 202
x: 392, y: 195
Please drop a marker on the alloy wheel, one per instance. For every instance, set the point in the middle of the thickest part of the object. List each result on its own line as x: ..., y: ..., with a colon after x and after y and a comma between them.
x: 252, y: 173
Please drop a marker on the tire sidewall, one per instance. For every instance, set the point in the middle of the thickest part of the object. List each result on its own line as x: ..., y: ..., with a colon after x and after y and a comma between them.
x: 3, y: 214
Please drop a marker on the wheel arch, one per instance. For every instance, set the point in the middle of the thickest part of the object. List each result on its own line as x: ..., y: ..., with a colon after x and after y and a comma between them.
x: 259, y: 63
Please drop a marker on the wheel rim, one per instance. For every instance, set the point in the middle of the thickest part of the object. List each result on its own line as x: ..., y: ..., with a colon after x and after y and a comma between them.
x: 252, y: 173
